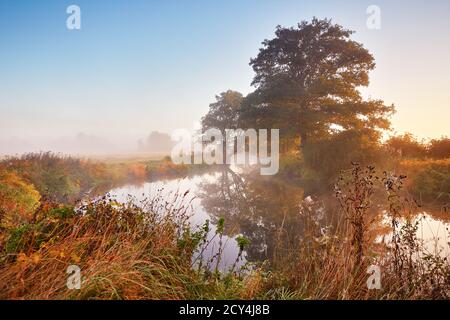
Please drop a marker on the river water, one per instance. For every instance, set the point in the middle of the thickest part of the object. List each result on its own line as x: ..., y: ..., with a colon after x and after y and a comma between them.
x: 255, y: 210
x: 169, y: 190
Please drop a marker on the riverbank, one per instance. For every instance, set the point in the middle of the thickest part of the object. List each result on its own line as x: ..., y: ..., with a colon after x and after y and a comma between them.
x: 125, y: 251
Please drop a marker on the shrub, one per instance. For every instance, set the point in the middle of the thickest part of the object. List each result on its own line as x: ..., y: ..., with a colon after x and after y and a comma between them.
x: 408, y: 146
x: 439, y: 148
x: 18, y: 199
x: 429, y: 179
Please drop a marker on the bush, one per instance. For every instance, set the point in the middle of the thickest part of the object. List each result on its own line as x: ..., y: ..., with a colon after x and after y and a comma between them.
x: 429, y: 179
x: 66, y: 179
x: 407, y: 146
x: 18, y: 199
x: 439, y: 148
x: 327, y: 157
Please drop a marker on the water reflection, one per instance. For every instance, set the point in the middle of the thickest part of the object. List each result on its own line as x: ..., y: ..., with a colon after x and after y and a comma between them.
x: 433, y: 233
x: 254, y: 206
x: 265, y: 210
x: 168, y: 192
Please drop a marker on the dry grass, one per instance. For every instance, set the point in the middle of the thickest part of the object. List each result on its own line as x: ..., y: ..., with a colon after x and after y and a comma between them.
x: 123, y: 251
x: 119, y: 254
x: 332, y: 263
x: 129, y: 251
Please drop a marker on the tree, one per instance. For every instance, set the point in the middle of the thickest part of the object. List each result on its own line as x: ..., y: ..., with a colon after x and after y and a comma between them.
x: 224, y: 113
x: 439, y: 148
x: 307, y: 81
x: 157, y: 142
x: 407, y: 145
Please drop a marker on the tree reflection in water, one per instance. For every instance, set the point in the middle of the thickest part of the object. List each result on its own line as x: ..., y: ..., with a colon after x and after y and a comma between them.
x: 265, y: 210
x: 275, y: 215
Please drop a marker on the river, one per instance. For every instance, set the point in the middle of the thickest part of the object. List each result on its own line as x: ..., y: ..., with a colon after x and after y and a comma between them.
x: 255, y: 210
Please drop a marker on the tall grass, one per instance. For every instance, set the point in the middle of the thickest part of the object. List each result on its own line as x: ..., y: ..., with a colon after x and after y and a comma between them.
x: 148, y: 250
x: 123, y: 250
x: 331, y: 261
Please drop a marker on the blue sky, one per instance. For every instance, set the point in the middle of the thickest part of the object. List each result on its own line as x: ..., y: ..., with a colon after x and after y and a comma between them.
x: 138, y: 66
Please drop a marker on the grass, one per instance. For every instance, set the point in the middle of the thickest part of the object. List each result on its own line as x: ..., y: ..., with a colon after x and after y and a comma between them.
x: 124, y: 252
x: 128, y: 251
x: 334, y: 264
x: 67, y: 179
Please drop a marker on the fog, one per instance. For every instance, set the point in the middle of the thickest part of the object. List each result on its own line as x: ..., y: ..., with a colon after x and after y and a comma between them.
x: 86, y: 144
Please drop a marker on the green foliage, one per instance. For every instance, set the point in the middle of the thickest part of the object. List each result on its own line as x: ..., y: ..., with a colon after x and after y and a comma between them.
x: 18, y: 199
x: 242, y: 242
x: 433, y: 183
x: 61, y: 212
x: 65, y: 179
x: 307, y: 81
x: 17, y: 239
x: 190, y: 240
x: 224, y: 113
x: 54, y: 176
x: 327, y: 157
x: 132, y: 253
x: 29, y: 236
x: 220, y: 226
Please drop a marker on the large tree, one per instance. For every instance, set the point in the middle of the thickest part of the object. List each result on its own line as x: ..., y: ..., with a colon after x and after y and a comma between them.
x: 307, y: 81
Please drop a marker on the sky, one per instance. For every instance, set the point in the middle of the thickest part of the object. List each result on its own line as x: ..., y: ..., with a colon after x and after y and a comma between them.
x: 140, y: 65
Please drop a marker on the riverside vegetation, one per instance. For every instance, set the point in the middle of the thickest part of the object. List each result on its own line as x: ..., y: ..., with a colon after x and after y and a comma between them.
x: 129, y: 251
x: 53, y: 211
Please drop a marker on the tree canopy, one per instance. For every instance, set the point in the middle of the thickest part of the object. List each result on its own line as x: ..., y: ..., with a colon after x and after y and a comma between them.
x: 307, y: 84
x: 224, y: 113
x: 307, y: 80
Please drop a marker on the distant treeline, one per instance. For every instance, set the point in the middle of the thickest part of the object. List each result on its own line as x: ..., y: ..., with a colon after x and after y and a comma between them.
x: 408, y: 146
